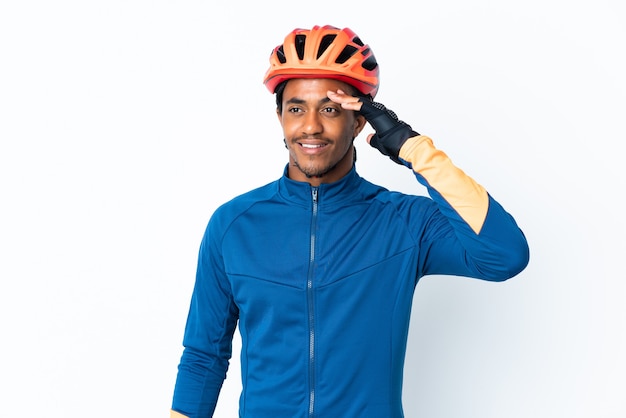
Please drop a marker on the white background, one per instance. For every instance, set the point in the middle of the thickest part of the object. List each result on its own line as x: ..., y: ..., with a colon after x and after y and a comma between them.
x: 124, y: 124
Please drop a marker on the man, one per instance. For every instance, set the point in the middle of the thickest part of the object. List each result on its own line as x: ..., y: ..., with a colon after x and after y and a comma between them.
x: 319, y: 267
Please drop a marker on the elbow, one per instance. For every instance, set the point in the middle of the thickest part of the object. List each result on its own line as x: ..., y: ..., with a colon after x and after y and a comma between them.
x: 503, y: 262
x: 522, y: 261
x: 514, y: 262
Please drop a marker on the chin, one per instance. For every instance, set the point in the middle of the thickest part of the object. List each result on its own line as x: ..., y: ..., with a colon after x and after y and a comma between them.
x: 314, y: 172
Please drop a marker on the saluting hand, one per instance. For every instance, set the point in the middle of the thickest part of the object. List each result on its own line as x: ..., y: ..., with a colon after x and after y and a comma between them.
x: 391, y: 133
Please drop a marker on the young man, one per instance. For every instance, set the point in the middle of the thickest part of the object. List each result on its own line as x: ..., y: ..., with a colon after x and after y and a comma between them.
x: 319, y: 267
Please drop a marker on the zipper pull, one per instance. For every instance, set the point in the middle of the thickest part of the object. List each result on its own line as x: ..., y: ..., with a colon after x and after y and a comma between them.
x: 314, y: 194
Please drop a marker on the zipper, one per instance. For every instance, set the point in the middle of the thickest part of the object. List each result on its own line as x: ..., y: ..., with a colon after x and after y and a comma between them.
x: 310, y: 303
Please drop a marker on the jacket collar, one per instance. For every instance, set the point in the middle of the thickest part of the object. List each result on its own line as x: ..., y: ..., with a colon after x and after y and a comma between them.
x: 342, y: 190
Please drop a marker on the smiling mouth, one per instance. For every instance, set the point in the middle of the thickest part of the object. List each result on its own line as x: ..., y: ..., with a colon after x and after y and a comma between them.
x: 312, y: 146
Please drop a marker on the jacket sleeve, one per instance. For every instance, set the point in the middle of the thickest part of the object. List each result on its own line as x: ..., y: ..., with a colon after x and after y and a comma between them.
x: 208, y: 334
x: 485, y: 242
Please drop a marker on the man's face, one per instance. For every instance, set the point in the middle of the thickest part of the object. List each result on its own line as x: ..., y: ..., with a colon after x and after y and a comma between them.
x: 318, y: 132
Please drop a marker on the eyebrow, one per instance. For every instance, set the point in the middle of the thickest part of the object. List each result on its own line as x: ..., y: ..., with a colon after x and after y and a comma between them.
x: 296, y: 100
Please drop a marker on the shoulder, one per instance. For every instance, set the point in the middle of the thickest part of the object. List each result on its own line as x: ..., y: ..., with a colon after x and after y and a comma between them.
x: 227, y: 212
x: 372, y: 191
x: 245, y: 200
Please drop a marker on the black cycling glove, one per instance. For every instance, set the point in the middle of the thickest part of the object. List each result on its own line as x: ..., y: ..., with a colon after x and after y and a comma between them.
x: 391, y: 133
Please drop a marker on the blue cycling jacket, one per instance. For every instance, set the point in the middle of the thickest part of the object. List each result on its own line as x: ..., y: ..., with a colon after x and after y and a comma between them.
x: 320, y: 281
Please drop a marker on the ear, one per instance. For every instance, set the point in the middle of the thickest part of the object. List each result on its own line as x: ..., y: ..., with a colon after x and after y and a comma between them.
x: 278, y: 114
x: 359, y: 124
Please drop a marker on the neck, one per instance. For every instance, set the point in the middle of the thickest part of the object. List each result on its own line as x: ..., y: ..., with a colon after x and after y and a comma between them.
x: 331, y: 175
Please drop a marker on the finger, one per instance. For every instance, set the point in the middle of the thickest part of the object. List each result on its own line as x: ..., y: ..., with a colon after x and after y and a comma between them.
x: 341, y: 96
x: 352, y: 105
x: 338, y: 96
x: 369, y: 138
x: 346, y: 101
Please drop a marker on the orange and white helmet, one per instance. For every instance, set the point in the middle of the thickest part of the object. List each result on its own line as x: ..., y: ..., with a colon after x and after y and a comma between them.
x: 324, y: 52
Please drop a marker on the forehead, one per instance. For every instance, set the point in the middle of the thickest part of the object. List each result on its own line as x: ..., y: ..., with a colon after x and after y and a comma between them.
x: 300, y: 87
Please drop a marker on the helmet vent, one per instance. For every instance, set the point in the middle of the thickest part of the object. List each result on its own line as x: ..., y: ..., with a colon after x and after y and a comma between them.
x: 300, y: 42
x: 280, y: 54
x: 370, y: 63
x: 358, y: 41
x: 347, y: 52
x: 325, y: 43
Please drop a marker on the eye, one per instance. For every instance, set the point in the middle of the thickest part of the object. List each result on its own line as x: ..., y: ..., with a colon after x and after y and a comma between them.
x: 294, y: 109
x: 329, y: 109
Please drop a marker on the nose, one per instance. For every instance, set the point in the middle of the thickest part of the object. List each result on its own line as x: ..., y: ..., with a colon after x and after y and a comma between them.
x: 312, y: 124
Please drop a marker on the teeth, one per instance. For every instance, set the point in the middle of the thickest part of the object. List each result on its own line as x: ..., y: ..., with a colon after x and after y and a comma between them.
x: 311, y: 146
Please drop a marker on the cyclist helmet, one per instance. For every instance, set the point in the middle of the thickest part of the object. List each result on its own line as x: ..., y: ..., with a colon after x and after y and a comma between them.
x: 324, y: 52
